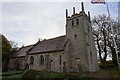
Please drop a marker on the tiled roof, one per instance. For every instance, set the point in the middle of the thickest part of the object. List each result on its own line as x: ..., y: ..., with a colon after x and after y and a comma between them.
x: 22, y: 51
x: 54, y: 44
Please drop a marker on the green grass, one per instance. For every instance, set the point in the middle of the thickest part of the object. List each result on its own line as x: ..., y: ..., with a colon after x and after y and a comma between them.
x: 85, y: 78
x: 32, y: 74
x: 37, y: 75
x: 116, y: 73
x: 12, y: 72
x: 56, y: 75
x: 13, y: 77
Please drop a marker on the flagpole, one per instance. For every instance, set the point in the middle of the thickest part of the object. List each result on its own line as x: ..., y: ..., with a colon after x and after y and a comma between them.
x: 113, y: 35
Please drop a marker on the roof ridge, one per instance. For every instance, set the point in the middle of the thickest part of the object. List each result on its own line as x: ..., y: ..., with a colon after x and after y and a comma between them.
x: 54, y: 38
x: 56, y: 43
x: 21, y: 49
x: 33, y: 46
x: 28, y: 45
x: 52, y: 44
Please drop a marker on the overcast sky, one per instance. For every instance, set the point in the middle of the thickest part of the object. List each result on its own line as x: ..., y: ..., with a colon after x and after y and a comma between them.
x: 25, y: 22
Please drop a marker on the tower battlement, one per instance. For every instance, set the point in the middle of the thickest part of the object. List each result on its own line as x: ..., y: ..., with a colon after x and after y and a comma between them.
x: 75, y: 15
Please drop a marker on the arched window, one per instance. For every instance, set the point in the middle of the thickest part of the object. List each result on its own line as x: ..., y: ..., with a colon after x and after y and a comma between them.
x: 31, y: 60
x: 75, y: 35
x: 41, y: 59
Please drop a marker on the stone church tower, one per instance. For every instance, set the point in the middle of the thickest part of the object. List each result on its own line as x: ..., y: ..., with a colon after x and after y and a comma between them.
x: 80, y: 49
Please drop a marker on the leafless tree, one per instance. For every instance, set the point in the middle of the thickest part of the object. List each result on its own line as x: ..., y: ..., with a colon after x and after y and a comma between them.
x: 103, y: 37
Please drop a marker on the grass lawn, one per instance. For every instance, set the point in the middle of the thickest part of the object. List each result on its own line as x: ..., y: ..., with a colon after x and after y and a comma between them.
x: 12, y: 75
x: 56, y: 75
x: 115, y: 72
x: 12, y: 72
x: 32, y: 74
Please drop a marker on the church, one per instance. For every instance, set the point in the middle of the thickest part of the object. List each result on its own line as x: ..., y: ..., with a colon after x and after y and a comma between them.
x: 72, y: 52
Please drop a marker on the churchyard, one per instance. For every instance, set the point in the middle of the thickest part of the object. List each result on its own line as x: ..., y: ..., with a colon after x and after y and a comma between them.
x: 31, y: 74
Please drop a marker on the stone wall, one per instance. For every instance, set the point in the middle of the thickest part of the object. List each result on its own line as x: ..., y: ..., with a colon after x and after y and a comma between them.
x: 76, y: 35
x: 81, y: 43
x: 51, y: 61
x: 18, y: 63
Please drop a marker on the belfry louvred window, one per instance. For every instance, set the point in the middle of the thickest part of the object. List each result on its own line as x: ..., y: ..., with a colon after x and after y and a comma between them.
x: 77, y: 21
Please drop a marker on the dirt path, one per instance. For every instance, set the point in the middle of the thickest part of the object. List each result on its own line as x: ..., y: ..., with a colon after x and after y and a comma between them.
x: 101, y: 74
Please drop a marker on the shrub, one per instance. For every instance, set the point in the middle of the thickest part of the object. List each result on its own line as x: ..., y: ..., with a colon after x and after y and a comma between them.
x: 107, y: 64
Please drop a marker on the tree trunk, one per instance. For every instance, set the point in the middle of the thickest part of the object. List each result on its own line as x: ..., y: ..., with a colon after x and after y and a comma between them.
x: 105, y: 45
x: 114, y: 59
x: 99, y: 51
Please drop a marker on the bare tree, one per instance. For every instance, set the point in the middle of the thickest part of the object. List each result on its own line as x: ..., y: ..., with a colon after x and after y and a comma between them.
x: 103, y: 37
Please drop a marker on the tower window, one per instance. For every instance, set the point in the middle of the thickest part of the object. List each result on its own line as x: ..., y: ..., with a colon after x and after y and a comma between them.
x: 75, y: 36
x: 91, y: 57
x: 87, y: 44
x: 77, y: 21
x: 72, y: 23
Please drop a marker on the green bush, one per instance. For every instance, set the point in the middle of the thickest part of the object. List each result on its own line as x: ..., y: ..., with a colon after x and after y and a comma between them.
x: 107, y: 64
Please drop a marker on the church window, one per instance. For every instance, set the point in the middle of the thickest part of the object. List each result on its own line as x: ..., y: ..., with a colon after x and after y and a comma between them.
x: 41, y: 60
x: 31, y: 60
x: 87, y: 44
x: 60, y: 59
x: 51, y: 61
x: 91, y: 57
x: 72, y: 23
x: 77, y: 21
x: 75, y: 36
